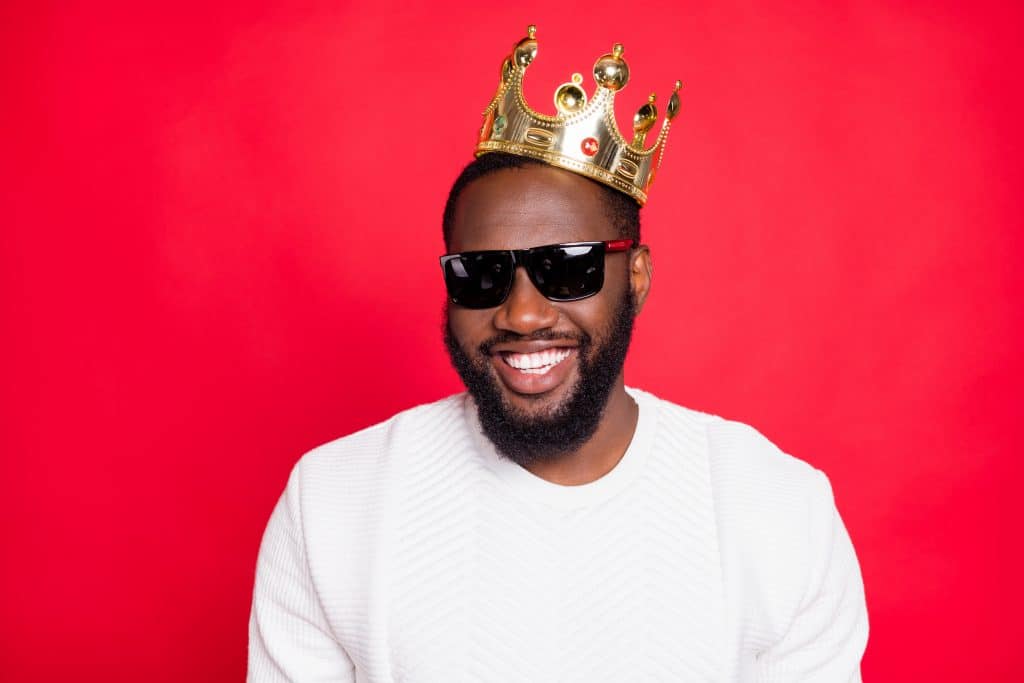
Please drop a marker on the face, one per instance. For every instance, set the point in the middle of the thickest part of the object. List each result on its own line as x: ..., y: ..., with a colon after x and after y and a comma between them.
x: 541, y: 371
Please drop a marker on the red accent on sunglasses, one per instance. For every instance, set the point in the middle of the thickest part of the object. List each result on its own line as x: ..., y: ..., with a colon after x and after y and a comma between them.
x: 619, y: 245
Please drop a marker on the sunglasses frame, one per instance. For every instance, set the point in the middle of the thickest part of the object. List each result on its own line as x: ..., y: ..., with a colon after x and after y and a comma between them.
x: 520, y: 258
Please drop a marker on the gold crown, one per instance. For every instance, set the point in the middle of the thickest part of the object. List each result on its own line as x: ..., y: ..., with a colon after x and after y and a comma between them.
x: 583, y: 136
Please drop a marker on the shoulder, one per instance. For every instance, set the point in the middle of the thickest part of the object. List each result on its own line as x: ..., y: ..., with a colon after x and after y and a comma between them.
x: 771, y: 506
x: 338, y: 493
x: 348, y: 478
x: 364, y: 454
x: 746, y: 469
x: 774, y: 513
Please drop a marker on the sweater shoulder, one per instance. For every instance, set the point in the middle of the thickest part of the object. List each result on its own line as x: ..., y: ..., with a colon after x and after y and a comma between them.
x: 366, y: 449
x: 736, y: 447
x: 750, y: 476
x: 739, y: 452
x: 773, y: 515
x: 346, y: 478
x: 768, y: 503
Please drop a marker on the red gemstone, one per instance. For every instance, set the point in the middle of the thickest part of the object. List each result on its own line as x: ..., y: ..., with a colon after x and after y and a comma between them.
x: 485, y: 131
x: 589, y: 146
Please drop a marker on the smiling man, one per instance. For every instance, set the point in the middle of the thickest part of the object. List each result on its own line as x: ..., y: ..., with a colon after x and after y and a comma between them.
x: 552, y: 524
x: 546, y: 379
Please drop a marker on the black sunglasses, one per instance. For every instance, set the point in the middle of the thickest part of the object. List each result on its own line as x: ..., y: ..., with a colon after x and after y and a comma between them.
x: 561, y: 272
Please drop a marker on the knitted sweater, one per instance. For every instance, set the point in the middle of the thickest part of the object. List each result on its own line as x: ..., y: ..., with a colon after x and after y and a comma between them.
x: 411, y: 551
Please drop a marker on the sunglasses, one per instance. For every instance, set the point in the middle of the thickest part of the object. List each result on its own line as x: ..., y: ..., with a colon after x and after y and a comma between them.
x: 560, y: 272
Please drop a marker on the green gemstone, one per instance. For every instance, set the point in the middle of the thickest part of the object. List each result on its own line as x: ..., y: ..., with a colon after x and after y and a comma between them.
x: 499, y: 124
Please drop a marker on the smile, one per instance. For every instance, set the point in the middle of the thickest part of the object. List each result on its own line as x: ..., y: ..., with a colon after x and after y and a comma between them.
x: 537, y: 363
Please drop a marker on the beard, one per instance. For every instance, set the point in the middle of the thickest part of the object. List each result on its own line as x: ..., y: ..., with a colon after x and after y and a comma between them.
x: 525, y: 438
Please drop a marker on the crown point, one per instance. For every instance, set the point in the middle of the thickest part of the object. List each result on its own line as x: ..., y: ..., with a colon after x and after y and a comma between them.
x: 526, y: 49
x: 577, y: 78
x: 617, y: 50
x: 673, y: 103
x: 643, y: 121
x: 651, y: 98
x: 679, y: 84
x: 645, y: 116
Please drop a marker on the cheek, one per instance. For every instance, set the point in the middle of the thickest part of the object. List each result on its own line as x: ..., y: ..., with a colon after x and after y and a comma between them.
x: 592, y: 316
x: 469, y: 327
x: 616, y: 277
x: 597, y: 314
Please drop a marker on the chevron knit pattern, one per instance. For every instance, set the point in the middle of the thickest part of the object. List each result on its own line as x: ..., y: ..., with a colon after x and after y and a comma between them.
x: 411, y: 551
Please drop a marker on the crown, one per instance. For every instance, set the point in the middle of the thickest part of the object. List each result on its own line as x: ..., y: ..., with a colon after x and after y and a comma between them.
x: 583, y: 137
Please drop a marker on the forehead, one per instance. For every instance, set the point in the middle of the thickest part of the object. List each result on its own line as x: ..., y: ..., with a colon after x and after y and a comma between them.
x: 526, y: 207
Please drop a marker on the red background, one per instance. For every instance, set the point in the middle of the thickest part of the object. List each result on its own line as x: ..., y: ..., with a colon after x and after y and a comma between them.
x: 193, y: 200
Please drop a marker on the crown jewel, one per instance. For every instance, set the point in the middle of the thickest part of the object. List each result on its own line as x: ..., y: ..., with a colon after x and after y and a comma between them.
x: 583, y: 136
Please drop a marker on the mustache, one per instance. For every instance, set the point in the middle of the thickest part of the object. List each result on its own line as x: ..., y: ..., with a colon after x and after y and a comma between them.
x: 582, y: 339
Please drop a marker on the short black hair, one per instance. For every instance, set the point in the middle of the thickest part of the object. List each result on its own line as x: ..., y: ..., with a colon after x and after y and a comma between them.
x: 623, y: 210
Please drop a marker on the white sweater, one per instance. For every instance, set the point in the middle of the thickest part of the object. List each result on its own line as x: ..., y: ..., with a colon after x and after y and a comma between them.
x: 411, y: 551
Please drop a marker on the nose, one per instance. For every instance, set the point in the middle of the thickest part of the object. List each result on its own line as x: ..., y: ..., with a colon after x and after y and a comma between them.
x: 525, y: 311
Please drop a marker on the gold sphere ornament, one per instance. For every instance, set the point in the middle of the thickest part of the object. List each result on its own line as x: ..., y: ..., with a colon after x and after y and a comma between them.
x: 570, y: 97
x: 611, y: 70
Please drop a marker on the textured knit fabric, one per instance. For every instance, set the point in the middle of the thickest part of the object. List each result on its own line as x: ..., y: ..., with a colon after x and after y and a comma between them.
x: 411, y: 551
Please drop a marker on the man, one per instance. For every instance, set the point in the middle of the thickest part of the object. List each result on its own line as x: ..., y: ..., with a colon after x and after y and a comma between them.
x: 552, y: 524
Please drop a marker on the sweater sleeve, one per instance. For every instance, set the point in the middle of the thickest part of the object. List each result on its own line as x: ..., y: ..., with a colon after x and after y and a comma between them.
x: 826, y: 639
x: 289, y: 637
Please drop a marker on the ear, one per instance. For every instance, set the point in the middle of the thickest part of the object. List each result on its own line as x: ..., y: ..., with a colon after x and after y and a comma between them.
x: 641, y: 272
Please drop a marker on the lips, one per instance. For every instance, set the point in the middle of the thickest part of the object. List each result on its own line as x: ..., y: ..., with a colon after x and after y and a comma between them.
x: 533, y: 368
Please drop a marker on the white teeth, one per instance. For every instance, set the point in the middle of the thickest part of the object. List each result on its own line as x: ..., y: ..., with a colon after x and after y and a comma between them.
x: 537, y: 363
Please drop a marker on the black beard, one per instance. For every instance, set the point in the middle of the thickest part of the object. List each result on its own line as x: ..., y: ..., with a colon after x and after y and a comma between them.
x: 527, y: 439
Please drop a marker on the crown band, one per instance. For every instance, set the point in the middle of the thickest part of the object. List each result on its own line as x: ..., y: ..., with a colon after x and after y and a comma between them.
x: 583, y: 137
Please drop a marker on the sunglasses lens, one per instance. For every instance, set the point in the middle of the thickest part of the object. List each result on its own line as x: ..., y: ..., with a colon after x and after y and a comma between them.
x: 568, y: 272
x: 478, y: 280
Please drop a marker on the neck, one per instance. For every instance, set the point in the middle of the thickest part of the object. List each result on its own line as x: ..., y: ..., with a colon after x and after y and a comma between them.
x: 602, y: 452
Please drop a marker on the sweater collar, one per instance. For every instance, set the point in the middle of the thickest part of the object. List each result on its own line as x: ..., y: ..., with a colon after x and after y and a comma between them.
x: 525, y: 483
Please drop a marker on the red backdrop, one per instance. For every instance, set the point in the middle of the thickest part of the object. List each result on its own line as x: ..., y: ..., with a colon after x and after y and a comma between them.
x: 193, y: 198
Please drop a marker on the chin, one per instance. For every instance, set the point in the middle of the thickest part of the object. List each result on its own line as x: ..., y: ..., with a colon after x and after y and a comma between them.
x: 540, y: 405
